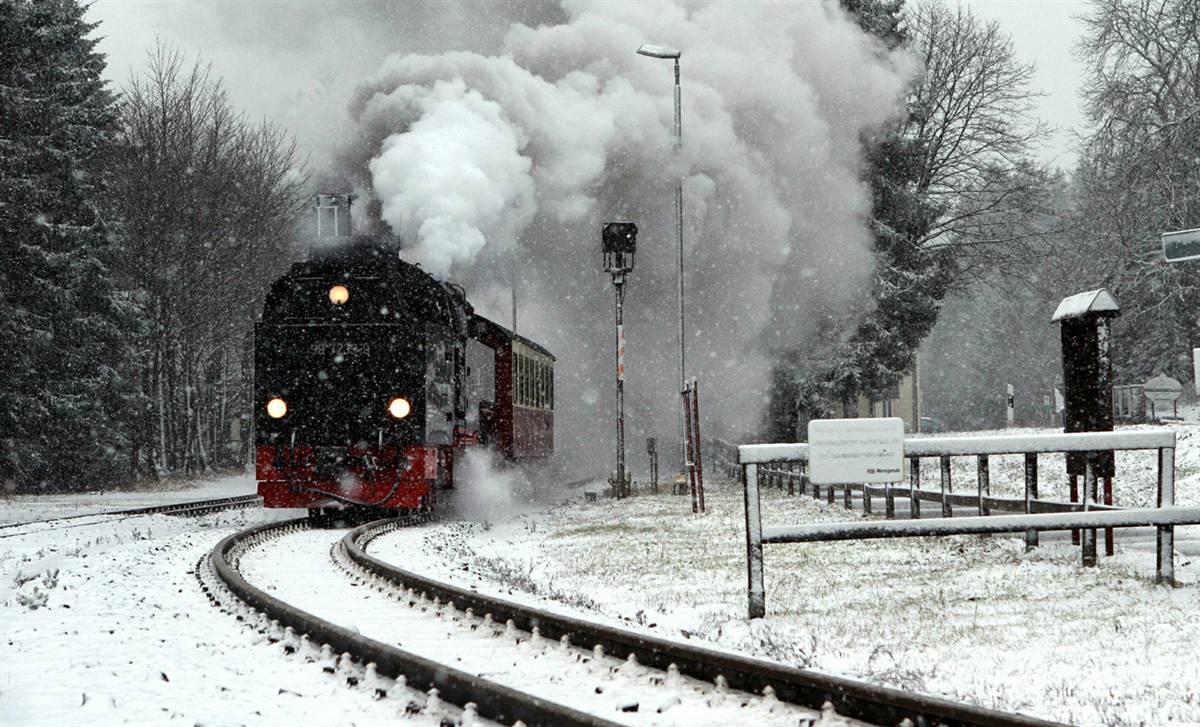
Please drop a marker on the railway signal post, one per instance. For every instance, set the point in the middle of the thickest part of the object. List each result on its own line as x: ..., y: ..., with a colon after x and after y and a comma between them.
x: 619, y: 240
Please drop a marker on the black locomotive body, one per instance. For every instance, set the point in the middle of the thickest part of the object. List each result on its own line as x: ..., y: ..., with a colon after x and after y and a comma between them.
x: 363, y: 392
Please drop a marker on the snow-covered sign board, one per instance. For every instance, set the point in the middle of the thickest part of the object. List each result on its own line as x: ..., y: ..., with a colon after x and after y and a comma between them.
x: 1181, y: 246
x: 1162, y: 390
x: 842, y: 451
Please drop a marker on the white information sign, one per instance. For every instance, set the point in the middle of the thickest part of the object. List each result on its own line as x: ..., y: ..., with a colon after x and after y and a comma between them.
x: 843, y: 451
x: 1196, y: 369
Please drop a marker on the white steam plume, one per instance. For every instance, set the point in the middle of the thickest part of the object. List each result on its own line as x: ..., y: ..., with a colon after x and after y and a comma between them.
x: 490, y: 163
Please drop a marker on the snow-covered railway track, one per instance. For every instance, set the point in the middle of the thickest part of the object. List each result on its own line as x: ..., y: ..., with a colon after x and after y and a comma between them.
x: 722, y: 671
x: 196, y: 507
x: 293, y: 562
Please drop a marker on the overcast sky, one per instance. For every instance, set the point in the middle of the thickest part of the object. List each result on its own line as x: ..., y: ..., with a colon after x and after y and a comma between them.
x: 284, y: 68
x: 1044, y: 32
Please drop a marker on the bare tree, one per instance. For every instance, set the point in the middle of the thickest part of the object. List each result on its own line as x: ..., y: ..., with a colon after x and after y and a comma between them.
x: 1141, y: 171
x: 971, y: 118
x: 207, y: 201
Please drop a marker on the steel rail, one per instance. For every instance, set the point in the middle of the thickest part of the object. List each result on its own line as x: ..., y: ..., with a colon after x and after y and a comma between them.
x: 493, y: 701
x: 196, y: 507
x: 803, y: 687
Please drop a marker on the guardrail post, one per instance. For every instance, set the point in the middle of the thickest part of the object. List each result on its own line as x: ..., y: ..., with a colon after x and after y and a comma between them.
x: 1074, y: 499
x: 829, y: 494
x: 791, y: 478
x: 985, y: 485
x: 1108, y: 532
x: 947, y: 510
x: 1166, y: 533
x: 914, y: 484
x: 754, y: 547
x: 847, y: 498
x: 1031, y: 494
x: 889, y: 502
x: 866, y: 490
x: 1089, y: 499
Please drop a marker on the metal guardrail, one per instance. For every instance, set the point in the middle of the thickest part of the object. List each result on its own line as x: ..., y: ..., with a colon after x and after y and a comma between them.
x: 849, y: 697
x: 773, y: 457
x: 493, y: 701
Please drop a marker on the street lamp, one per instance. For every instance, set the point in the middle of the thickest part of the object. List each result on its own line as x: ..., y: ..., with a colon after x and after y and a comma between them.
x: 660, y: 51
x: 619, y: 240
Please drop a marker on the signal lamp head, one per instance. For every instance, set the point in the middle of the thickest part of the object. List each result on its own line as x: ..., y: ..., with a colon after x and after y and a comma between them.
x: 399, y: 407
x: 339, y: 294
x: 276, y: 408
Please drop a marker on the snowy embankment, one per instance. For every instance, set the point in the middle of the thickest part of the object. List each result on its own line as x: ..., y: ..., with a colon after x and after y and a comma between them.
x: 971, y: 618
x: 27, y: 507
x: 106, y: 624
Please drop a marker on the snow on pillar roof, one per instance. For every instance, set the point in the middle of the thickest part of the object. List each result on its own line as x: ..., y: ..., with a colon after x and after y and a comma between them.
x: 1094, y: 302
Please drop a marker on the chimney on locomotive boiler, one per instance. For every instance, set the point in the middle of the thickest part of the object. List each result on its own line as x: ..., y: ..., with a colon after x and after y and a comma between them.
x: 333, y: 216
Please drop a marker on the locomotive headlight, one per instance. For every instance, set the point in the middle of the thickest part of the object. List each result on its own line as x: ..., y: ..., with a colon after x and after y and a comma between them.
x: 339, y: 294
x: 276, y: 408
x: 399, y: 408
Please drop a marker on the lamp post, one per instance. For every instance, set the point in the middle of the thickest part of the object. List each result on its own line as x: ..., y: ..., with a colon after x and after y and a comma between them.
x: 659, y: 51
x: 619, y: 239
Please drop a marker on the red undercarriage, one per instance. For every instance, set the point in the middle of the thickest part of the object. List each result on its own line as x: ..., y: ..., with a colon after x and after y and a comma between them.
x: 314, y: 477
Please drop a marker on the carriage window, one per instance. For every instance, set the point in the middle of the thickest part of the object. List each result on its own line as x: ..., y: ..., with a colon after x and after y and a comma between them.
x: 522, y: 381
x: 519, y: 378
x: 541, y: 385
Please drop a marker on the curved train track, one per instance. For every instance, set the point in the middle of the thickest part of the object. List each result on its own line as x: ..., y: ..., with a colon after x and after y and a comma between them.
x: 196, y: 507
x: 486, y: 698
x: 847, y: 697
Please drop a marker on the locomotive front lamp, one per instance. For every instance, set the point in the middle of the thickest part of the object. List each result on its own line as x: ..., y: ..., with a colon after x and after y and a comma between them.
x: 619, y: 242
x: 399, y: 407
x: 276, y: 408
x: 339, y: 294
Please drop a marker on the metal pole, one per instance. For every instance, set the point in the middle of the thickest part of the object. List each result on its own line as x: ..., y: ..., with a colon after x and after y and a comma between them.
x: 620, y: 484
x: 1089, y: 499
x: 755, y: 589
x: 700, y: 443
x: 687, y: 420
x: 1031, y: 494
x: 1166, y: 533
x: 679, y: 251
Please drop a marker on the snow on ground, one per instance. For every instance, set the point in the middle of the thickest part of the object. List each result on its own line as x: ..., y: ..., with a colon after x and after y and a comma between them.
x: 107, y: 625
x: 971, y: 618
x: 26, y: 507
x: 297, y: 568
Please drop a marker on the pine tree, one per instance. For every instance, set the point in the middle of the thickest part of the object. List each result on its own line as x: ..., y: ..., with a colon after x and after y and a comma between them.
x: 63, y: 326
x: 910, y: 279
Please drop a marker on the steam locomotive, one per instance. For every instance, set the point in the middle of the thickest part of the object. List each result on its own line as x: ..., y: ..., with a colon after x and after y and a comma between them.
x: 372, y: 378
